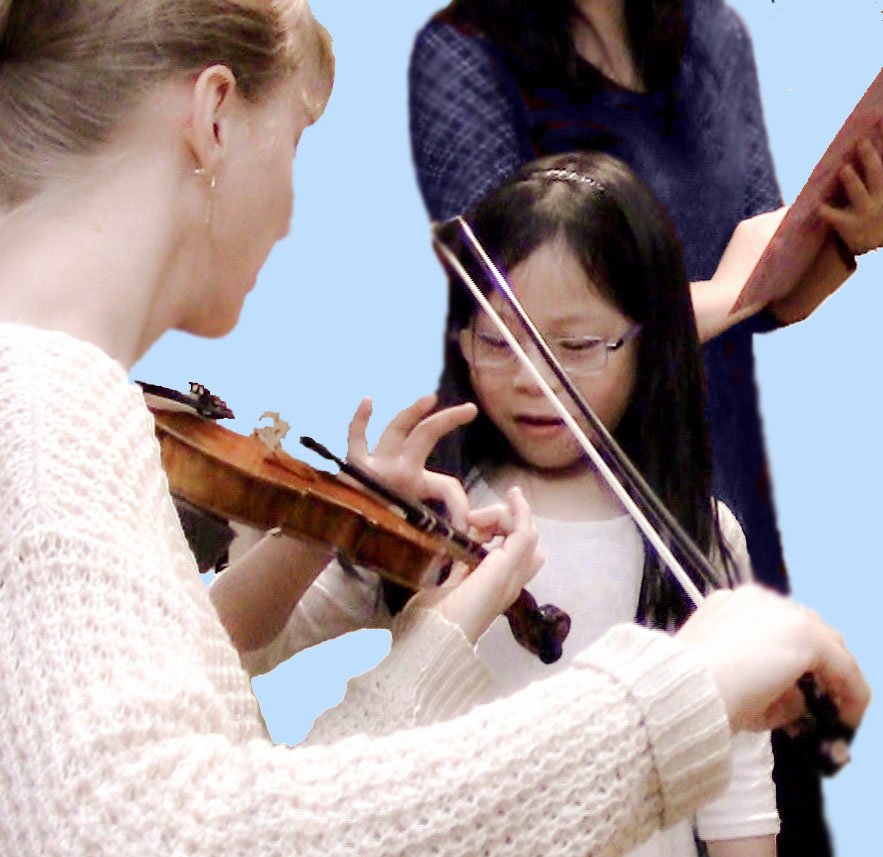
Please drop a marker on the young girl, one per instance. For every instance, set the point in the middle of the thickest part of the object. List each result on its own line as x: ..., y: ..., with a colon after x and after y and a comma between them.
x: 593, y: 258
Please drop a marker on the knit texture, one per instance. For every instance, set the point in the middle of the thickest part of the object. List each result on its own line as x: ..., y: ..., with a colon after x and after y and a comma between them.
x: 591, y: 568
x: 700, y: 144
x: 128, y: 727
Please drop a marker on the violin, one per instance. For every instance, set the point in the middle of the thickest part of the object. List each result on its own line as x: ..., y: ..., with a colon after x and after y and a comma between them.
x: 253, y: 481
x: 823, y: 736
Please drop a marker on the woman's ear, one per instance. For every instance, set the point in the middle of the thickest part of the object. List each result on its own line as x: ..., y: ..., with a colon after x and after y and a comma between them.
x: 211, y: 107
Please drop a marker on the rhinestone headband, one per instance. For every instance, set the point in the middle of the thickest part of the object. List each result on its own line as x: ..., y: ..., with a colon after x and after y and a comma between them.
x: 570, y: 176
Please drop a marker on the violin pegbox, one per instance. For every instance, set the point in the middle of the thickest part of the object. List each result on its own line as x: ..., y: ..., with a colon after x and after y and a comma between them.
x: 200, y: 401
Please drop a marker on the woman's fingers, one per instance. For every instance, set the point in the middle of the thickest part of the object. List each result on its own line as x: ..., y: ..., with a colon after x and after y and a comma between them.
x: 872, y: 166
x: 758, y: 644
x: 860, y: 222
x: 520, y: 543
x: 838, y: 675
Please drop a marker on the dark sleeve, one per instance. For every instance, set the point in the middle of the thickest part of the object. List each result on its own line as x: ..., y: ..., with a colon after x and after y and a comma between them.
x: 464, y: 134
x: 760, y: 187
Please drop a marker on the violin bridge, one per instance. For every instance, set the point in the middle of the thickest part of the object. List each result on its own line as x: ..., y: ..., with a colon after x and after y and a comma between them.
x: 271, y: 436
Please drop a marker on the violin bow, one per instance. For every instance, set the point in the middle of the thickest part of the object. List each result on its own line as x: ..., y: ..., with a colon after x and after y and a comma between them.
x: 821, y: 726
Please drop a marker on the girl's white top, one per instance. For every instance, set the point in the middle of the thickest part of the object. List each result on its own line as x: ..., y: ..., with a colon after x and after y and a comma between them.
x: 128, y: 725
x: 592, y: 570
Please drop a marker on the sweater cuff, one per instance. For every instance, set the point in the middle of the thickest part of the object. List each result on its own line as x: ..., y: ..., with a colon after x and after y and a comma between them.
x: 684, y: 715
x: 448, y: 677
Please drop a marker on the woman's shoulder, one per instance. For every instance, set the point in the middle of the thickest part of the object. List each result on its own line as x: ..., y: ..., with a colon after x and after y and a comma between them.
x: 443, y: 32
x: 715, y: 27
x: 69, y: 415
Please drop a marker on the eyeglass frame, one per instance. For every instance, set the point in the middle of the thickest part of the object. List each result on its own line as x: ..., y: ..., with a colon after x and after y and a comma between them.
x: 510, y: 361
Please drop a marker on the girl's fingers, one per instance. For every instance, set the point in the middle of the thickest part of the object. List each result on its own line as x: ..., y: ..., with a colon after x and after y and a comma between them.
x: 399, y: 458
x: 404, y: 422
x: 356, y: 440
x: 429, y: 431
x: 439, y: 486
x: 493, y: 520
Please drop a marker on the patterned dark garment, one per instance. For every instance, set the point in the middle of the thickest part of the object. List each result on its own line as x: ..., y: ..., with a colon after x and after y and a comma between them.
x: 701, y: 144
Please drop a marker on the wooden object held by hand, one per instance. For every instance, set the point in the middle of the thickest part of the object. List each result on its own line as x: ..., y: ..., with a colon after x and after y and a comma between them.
x: 803, y: 240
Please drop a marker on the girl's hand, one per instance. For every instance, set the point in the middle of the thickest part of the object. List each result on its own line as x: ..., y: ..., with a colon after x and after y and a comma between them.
x: 474, y: 600
x: 399, y: 459
x: 860, y: 223
x: 758, y: 644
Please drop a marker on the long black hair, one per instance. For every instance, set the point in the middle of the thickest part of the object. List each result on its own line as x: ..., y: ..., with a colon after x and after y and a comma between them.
x: 622, y: 237
x: 538, y: 37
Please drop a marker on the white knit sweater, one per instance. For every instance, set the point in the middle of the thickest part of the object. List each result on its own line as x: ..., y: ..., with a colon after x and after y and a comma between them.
x: 128, y: 726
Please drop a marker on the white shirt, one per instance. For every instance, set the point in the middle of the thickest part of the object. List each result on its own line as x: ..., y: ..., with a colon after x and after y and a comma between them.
x: 593, y: 570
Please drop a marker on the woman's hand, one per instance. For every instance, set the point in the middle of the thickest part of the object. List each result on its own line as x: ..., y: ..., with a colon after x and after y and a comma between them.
x: 473, y: 600
x: 398, y: 461
x: 860, y: 222
x: 758, y: 644
x: 713, y: 299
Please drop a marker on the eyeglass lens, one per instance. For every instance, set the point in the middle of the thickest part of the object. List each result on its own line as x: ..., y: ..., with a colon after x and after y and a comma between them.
x: 575, y: 353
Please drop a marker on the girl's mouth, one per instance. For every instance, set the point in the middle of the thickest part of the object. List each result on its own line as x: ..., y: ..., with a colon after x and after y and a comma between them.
x: 538, y: 426
x: 526, y: 419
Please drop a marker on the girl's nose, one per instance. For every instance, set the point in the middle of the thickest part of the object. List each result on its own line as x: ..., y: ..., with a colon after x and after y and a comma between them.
x: 525, y: 381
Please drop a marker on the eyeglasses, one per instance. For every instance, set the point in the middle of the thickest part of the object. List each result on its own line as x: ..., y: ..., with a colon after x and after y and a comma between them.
x: 486, y: 349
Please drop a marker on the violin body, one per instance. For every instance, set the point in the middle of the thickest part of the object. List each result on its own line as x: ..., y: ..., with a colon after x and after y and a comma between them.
x: 238, y: 478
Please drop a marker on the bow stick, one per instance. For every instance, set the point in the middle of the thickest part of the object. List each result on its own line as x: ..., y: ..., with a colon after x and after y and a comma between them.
x: 830, y: 735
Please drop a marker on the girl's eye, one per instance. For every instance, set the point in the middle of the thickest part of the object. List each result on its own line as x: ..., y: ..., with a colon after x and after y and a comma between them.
x: 579, y: 344
x: 491, y: 342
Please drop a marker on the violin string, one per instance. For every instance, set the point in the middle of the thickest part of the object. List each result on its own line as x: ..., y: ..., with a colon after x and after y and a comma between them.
x: 540, y: 630
x: 418, y: 514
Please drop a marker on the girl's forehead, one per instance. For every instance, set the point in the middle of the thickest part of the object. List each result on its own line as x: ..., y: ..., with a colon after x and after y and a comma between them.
x: 552, y: 285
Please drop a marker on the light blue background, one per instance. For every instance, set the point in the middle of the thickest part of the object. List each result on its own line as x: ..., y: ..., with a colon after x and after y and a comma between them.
x: 352, y: 304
